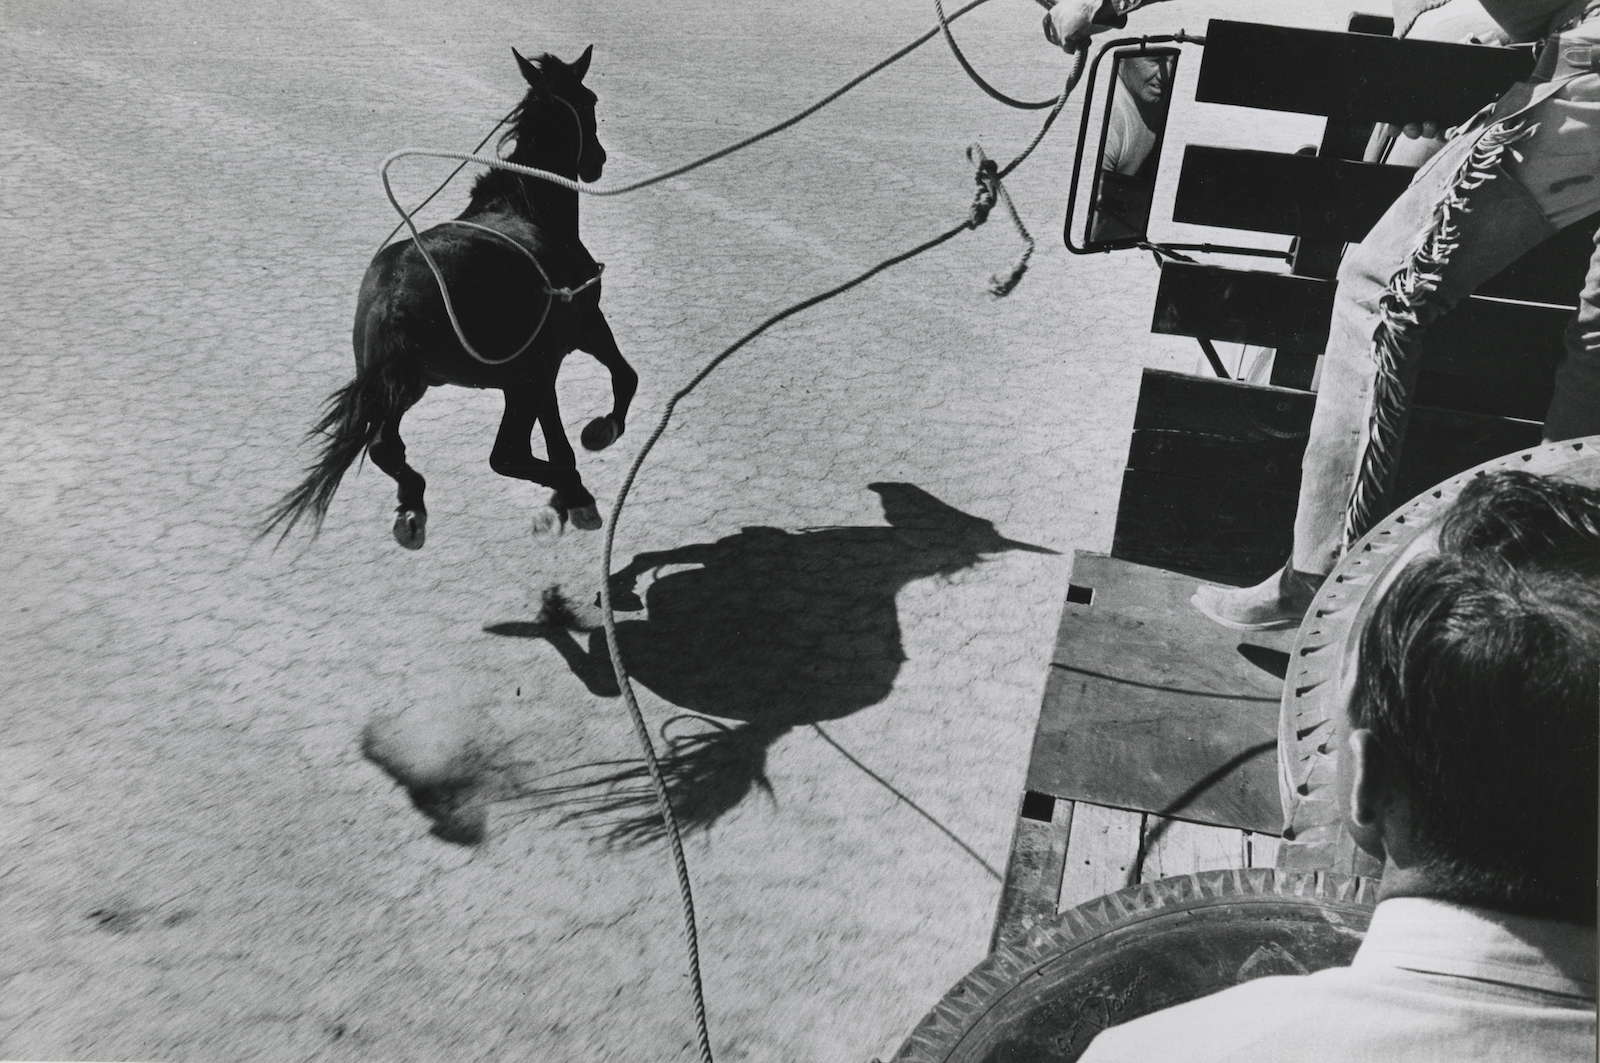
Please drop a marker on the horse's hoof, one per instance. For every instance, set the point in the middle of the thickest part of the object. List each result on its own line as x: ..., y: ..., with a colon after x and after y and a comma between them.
x: 411, y: 528
x: 548, y: 523
x: 585, y: 518
x: 600, y: 433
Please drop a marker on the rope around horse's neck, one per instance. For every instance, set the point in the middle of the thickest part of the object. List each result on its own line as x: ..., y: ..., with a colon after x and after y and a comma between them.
x: 608, y: 614
x: 448, y: 178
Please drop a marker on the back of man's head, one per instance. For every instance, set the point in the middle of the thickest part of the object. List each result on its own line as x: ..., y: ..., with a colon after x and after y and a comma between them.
x: 1479, y: 677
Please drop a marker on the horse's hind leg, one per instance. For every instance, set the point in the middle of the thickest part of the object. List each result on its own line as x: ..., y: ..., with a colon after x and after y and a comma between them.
x: 513, y: 456
x: 388, y: 453
x: 602, y: 346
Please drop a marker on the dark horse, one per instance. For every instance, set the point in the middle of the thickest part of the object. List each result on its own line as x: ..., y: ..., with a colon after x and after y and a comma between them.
x: 405, y: 341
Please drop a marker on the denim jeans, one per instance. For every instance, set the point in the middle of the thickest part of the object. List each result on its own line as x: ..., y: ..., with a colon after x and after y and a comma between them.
x: 1541, y: 185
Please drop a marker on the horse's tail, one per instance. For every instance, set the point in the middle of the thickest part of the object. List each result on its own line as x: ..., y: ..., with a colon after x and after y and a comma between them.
x: 351, y: 421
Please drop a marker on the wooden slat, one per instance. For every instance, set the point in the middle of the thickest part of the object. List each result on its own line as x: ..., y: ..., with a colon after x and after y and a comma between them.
x: 1342, y: 138
x: 1243, y: 306
x: 1352, y: 76
x: 1179, y: 402
x: 1261, y: 850
x: 1032, y: 888
x: 1100, y: 854
x: 1224, y: 532
x: 1150, y: 706
x: 1212, y: 479
x: 1268, y: 465
x: 1174, y: 847
x: 1211, y: 518
x: 1271, y: 192
x: 1197, y: 497
x: 1238, y: 534
x: 1486, y: 356
x: 1380, y: 25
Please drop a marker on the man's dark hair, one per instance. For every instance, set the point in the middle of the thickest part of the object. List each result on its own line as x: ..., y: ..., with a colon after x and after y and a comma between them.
x: 1479, y: 676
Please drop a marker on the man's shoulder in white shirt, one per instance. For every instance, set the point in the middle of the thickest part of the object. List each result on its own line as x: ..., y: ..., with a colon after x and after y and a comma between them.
x: 1431, y: 981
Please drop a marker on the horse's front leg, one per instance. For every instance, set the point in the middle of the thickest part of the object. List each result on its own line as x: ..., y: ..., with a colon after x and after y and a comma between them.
x: 513, y: 456
x: 602, y: 346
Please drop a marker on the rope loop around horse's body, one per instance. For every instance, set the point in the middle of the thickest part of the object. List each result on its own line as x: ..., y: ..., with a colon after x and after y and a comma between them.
x: 564, y: 294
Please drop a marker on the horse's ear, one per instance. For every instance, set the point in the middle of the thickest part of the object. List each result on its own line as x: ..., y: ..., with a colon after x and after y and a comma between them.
x: 581, y: 67
x: 531, y: 72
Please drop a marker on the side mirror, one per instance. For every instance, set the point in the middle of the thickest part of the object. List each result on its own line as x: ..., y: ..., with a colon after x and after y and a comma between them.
x: 1122, y: 168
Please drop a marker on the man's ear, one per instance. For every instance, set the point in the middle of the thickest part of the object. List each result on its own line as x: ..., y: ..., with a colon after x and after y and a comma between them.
x: 1370, y: 791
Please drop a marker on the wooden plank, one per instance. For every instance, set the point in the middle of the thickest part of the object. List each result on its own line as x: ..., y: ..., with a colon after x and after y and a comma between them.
x: 1032, y: 888
x: 1342, y: 138
x: 1243, y: 306
x: 1270, y: 464
x: 1271, y: 192
x: 1150, y: 706
x: 1101, y: 853
x: 1175, y: 847
x: 1293, y: 370
x: 1293, y: 313
x: 1212, y: 480
x: 1180, y: 402
x: 1230, y: 533
x: 1379, y: 25
x: 1352, y: 76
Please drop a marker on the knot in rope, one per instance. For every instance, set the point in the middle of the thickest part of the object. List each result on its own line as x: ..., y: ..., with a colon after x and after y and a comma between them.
x: 566, y: 294
x: 988, y: 193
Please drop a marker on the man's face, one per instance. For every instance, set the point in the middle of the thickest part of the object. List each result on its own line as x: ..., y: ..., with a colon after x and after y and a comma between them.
x: 1147, y: 77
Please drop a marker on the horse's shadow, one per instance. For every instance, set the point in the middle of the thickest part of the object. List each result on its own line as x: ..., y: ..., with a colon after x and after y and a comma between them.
x: 772, y: 630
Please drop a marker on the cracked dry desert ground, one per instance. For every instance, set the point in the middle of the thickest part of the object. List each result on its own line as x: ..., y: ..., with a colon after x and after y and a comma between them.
x: 198, y: 863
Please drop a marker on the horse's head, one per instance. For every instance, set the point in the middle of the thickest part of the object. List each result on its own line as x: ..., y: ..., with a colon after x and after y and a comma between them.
x: 559, y: 111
